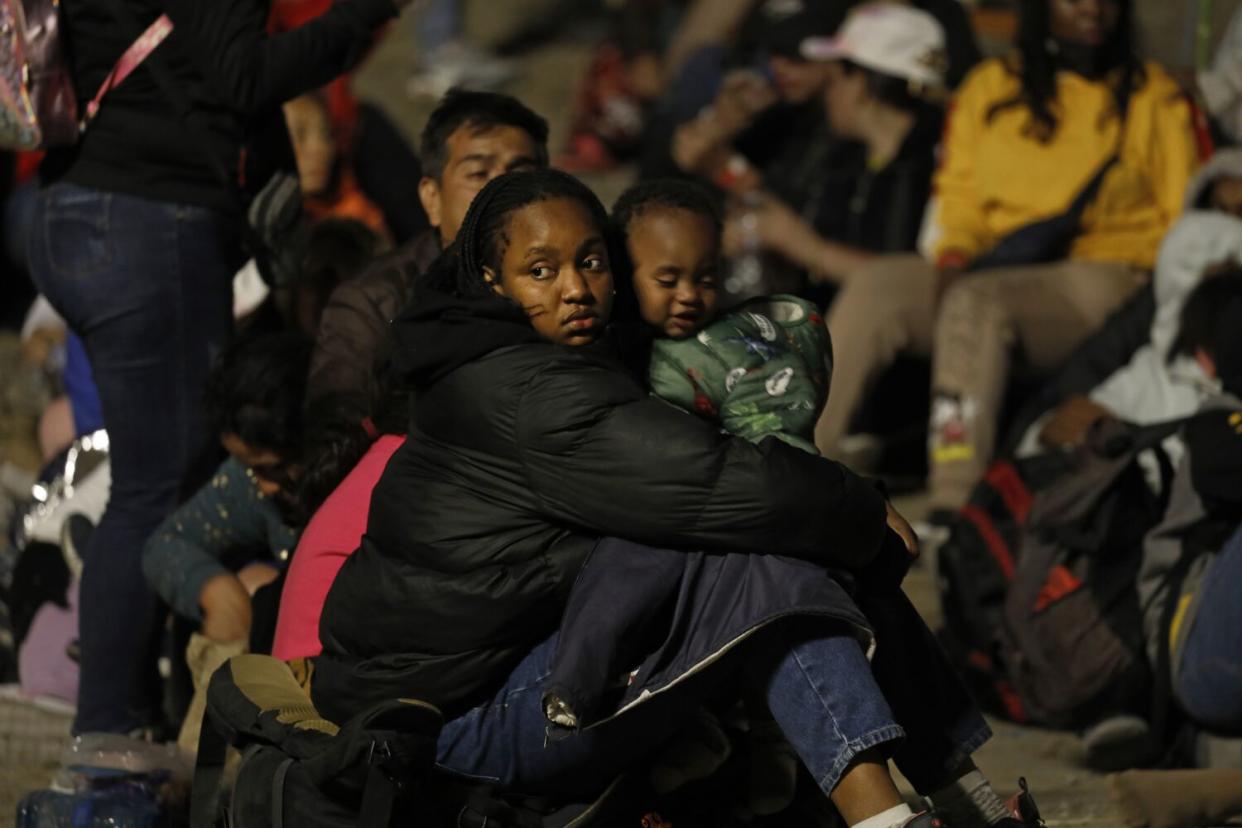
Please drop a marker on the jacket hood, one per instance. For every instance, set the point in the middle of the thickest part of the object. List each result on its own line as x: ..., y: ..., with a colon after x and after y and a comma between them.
x: 438, y: 333
x: 1224, y: 162
x: 1201, y: 239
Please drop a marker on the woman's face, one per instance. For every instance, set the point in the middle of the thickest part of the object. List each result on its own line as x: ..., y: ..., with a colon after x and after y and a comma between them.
x: 555, y: 266
x: 844, y: 96
x: 1085, y: 22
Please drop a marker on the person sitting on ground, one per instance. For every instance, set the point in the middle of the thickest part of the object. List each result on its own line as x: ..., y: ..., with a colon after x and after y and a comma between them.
x: 886, y: 76
x: 1220, y: 84
x: 322, y: 255
x: 328, y: 186
x: 523, y: 412
x: 469, y: 139
x: 1125, y: 370
x: 335, y: 491
x: 1192, y: 561
x: 763, y: 120
x: 232, y: 536
x: 760, y: 369
x: 1073, y: 126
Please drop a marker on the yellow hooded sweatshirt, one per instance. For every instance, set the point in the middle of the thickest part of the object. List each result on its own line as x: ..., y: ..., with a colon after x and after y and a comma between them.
x: 995, y: 176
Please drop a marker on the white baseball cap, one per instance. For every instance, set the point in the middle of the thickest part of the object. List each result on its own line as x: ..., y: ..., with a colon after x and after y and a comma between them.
x: 888, y: 38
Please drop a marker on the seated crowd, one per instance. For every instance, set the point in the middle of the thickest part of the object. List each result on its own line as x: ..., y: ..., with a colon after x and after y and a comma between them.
x: 589, y: 482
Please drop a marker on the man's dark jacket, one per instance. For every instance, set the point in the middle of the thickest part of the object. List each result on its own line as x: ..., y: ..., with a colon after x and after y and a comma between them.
x: 521, y: 455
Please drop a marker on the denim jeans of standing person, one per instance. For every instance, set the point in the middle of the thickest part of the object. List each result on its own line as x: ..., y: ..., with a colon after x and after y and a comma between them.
x: 818, y: 687
x: 1209, y: 683
x: 147, y: 285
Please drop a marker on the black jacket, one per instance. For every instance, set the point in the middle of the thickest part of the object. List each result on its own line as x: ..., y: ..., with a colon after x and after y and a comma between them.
x: 353, y: 337
x: 521, y: 454
x: 234, y: 76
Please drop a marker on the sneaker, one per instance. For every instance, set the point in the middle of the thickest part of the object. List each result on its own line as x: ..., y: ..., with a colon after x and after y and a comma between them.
x: 1022, y: 807
x: 924, y: 819
x: 74, y: 535
x: 1117, y: 743
x: 935, y: 530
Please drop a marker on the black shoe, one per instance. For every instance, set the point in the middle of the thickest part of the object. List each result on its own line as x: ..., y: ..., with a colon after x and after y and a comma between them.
x: 924, y: 819
x: 1025, y: 814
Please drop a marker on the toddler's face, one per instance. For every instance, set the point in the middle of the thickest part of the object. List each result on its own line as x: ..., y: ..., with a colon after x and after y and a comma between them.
x: 676, y: 258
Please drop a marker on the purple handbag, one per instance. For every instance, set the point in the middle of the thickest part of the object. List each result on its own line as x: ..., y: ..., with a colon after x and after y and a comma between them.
x: 38, y: 104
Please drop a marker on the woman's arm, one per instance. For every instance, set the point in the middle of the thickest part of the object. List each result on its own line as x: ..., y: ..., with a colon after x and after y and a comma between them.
x: 253, y: 72
x: 599, y: 455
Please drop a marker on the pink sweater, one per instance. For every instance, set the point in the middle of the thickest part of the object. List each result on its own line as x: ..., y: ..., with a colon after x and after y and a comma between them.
x: 332, y: 535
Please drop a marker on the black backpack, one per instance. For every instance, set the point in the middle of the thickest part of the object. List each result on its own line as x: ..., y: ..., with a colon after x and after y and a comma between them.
x: 298, y: 768
x: 376, y: 770
x: 1038, y: 580
x: 975, y: 568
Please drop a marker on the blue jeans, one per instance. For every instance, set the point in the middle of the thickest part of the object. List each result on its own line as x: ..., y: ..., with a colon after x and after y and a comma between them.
x: 819, y: 688
x: 1209, y: 683
x: 147, y: 285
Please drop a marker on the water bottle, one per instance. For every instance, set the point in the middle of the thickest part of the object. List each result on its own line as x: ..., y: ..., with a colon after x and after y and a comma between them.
x: 744, y: 277
x: 122, y: 806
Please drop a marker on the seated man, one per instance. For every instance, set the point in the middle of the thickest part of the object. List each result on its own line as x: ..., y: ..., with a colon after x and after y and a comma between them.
x: 470, y: 138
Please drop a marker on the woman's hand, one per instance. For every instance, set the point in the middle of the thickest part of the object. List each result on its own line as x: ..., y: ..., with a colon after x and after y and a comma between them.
x: 226, y: 608
x: 903, y: 530
x: 1071, y: 421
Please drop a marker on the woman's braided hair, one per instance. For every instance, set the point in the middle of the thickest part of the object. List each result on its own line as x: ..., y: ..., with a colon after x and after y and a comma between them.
x: 482, y: 239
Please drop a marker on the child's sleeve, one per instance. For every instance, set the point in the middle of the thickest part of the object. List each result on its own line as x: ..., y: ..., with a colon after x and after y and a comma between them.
x: 781, y: 394
x: 683, y: 373
x: 226, y: 515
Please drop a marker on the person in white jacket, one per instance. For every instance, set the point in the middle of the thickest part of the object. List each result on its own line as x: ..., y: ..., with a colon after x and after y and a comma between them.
x: 1151, y: 387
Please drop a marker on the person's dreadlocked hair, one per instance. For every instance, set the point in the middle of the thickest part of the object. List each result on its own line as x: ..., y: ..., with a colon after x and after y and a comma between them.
x: 1038, y: 65
x: 483, y: 236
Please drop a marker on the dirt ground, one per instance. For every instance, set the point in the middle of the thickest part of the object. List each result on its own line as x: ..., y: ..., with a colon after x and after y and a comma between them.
x: 1069, y: 795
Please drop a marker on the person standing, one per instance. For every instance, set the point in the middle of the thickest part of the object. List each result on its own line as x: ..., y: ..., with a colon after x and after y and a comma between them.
x: 137, y: 233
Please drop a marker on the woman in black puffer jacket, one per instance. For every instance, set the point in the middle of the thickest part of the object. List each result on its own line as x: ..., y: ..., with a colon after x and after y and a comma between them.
x: 523, y: 452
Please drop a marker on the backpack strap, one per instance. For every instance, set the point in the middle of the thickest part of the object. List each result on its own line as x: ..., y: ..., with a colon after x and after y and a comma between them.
x: 278, y: 793
x: 378, y: 797
x: 208, y: 772
x: 137, y: 52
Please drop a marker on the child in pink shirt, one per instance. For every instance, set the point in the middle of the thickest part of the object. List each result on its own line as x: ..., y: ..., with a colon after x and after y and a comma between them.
x: 330, y: 537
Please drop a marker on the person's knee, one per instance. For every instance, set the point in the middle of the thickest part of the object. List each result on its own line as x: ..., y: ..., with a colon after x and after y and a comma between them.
x: 971, y: 300
x: 874, y: 298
